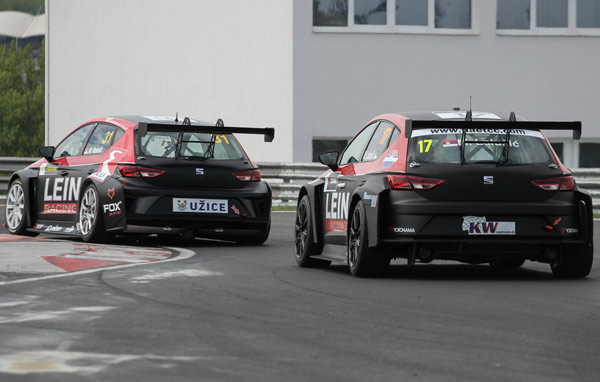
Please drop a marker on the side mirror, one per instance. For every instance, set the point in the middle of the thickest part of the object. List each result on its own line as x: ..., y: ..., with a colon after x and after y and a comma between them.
x: 47, y: 152
x: 329, y: 159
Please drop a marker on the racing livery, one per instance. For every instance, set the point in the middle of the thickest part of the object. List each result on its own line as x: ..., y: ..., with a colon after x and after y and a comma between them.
x: 145, y: 175
x: 474, y: 187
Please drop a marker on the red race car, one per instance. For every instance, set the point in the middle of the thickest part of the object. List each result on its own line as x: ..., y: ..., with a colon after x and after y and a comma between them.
x: 144, y: 175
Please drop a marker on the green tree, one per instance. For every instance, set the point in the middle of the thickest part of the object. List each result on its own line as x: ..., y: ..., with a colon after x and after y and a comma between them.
x: 28, y: 6
x: 21, y: 101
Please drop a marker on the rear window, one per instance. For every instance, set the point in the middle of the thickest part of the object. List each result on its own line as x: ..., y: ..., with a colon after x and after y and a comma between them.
x: 481, y: 146
x: 173, y: 144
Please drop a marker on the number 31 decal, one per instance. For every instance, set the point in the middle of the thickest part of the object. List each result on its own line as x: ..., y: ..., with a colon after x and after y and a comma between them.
x: 427, y: 145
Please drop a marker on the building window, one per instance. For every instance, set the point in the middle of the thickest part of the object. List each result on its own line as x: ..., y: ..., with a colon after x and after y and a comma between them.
x: 321, y: 145
x: 330, y: 13
x: 393, y: 16
x: 588, y: 155
x: 411, y: 12
x: 370, y: 12
x: 552, y: 13
x: 555, y: 17
x: 588, y: 14
x: 454, y: 14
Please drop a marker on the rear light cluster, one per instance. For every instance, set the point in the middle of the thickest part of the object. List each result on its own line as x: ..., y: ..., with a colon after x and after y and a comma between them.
x: 248, y: 176
x: 410, y: 182
x: 563, y: 183
x: 130, y: 171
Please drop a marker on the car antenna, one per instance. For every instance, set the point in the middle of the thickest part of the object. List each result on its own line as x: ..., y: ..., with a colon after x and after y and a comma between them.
x: 176, y: 117
x: 469, y: 115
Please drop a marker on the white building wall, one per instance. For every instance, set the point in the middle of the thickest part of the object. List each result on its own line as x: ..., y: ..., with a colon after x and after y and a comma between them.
x: 209, y: 59
x: 341, y: 80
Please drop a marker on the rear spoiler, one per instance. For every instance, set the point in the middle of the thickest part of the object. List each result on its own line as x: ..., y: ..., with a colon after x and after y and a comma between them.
x: 411, y: 125
x: 268, y: 132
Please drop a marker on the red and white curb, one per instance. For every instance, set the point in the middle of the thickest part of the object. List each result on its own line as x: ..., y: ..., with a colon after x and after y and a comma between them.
x: 58, y: 258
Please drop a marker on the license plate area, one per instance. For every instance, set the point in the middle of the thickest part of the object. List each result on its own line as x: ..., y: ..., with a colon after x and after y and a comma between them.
x: 203, y: 206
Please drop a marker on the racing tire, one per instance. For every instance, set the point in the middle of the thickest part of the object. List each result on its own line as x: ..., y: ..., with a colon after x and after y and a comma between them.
x: 304, y: 244
x: 507, y: 263
x: 15, y: 214
x: 91, y: 223
x: 363, y: 261
x: 258, y: 238
x: 575, y: 263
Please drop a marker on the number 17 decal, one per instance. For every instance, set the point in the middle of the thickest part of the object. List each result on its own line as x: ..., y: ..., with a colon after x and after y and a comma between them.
x: 427, y: 145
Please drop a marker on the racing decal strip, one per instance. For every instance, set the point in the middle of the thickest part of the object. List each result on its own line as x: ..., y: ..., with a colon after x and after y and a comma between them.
x: 183, y: 254
x: 516, y: 132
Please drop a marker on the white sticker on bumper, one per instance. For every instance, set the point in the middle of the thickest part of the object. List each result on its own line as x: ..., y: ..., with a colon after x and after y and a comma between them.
x: 210, y: 206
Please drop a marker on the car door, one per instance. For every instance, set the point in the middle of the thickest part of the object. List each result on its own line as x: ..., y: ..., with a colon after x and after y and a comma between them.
x: 60, y: 182
x: 58, y: 187
x: 340, y: 185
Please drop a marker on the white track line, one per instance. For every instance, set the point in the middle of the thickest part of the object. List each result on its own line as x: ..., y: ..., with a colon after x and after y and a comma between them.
x: 183, y: 255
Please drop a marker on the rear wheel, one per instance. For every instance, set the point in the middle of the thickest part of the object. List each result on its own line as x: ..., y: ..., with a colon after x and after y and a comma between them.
x: 14, y: 213
x: 362, y: 260
x: 305, y: 247
x: 91, y: 223
x: 576, y: 262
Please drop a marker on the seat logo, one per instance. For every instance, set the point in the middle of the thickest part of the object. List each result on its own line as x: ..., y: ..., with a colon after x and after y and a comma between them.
x: 199, y: 171
x: 488, y: 179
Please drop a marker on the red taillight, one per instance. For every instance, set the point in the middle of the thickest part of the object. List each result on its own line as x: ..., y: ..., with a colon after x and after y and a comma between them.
x: 129, y: 171
x: 564, y: 183
x: 248, y: 176
x: 409, y: 182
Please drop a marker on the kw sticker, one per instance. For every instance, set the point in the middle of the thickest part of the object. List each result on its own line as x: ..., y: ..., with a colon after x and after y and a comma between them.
x: 477, y: 225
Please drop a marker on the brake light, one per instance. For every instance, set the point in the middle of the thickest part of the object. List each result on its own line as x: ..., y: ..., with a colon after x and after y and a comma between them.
x: 248, y: 176
x: 563, y: 183
x: 129, y: 171
x: 410, y: 182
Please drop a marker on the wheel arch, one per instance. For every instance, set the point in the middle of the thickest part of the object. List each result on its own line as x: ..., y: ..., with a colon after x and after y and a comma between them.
x: 114, y: 216
x: 313, y: 191
x: 27, y: 178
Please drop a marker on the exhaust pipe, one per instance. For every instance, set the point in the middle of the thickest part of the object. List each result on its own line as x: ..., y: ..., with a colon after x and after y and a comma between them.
x: 550, y: 254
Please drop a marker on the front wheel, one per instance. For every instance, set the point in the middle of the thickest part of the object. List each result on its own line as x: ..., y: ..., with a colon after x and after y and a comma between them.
x: 91, y: 223
x: 362, y: 260
x: 15, y: 214
x: 576, y: 262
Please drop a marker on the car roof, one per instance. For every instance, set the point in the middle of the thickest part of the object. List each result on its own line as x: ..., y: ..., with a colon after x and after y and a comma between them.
x: 453, y: 115
x: 158, y: 119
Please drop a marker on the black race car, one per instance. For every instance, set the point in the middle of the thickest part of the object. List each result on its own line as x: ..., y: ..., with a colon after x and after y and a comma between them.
x: 473, y: 187
x: 144, y: 175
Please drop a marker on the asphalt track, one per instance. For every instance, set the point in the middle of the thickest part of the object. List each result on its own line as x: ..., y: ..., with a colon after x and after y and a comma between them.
x: 234, y: 313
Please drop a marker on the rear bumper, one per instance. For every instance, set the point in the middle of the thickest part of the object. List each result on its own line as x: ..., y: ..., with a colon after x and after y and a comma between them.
x: 482, y: 231
x: 152, y: 210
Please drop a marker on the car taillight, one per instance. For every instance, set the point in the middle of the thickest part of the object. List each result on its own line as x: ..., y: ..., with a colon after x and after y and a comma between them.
x: 563, y: 183
x: 410, y: 182
x: 129, y: 171
x: 248, y: 176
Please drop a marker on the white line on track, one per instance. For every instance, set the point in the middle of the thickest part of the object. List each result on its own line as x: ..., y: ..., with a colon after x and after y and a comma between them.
x: 183, y: 255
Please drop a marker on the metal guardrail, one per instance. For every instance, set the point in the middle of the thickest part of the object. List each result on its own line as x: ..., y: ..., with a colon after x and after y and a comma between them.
x: 286, y: 179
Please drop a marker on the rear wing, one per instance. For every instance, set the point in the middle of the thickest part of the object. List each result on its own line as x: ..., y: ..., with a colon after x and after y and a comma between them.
x: 268, y: 132
x: 502, y: 126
